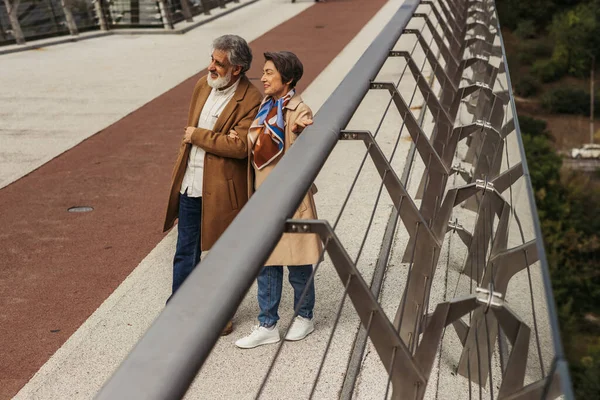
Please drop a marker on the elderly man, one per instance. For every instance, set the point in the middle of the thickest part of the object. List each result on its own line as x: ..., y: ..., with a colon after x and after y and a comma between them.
x: 209, y: 185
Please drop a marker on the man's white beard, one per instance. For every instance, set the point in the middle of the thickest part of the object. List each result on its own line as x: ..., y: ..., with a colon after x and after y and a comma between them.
x: 220, y: 82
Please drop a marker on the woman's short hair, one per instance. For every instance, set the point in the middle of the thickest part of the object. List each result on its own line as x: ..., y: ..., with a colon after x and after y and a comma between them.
x: 287, y: 64
x: 237, y: 49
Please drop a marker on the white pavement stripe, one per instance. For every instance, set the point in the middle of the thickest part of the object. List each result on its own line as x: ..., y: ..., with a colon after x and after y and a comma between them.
x: 86, y: 360
x: 54, y: 98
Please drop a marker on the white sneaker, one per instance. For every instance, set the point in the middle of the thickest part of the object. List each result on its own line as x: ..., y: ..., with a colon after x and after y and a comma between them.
x: 259, y: 336
x: 301, y: 328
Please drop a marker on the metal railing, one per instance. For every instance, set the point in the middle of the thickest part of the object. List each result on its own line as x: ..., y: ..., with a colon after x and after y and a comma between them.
x: 471, y: 225
x: 42, y: 19
x: 158, y: 14
x: 32, y: 19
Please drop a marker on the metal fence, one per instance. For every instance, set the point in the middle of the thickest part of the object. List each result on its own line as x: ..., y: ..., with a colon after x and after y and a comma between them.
x: 158, y: 14
x: 475, y: 302
x: 42, y: 19
x: 23, y: 20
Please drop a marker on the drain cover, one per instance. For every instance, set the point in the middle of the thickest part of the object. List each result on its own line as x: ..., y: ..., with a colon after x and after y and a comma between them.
x: 80, y: 209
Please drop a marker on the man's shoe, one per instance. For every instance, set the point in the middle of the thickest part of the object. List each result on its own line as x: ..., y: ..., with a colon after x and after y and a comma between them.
x: 301, y: 328
x: 228, y: 329
x: 259, y: 336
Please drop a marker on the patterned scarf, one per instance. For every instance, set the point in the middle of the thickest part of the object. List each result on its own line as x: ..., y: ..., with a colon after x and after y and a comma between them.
x: 267, y: 132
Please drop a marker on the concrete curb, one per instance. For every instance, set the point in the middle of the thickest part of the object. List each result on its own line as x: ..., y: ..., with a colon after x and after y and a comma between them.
x: 176, y: 31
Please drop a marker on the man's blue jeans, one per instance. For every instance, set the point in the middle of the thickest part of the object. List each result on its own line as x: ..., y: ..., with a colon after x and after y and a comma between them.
x: 270, y: 282
x: 187, y: 252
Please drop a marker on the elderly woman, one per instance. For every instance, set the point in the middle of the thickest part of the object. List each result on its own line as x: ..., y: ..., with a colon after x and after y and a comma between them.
x: 281, y: 118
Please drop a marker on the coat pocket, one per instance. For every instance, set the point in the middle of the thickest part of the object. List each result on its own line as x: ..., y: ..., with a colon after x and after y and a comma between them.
x: 232, y: 194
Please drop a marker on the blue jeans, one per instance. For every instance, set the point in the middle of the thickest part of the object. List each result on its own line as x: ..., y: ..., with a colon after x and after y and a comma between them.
x: 187, y: 252
x: 270, y: 282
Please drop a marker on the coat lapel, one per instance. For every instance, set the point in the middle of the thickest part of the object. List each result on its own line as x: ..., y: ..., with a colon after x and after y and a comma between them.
x: 203, y: 94
x: 229, y: 109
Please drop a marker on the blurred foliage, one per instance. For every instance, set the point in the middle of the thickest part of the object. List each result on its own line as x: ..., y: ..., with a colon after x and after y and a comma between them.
x: 548, y: 70
x: 540, y: 12
x: 586, y: 374
x: 527, y: 86
x: 526, y: 29
x: 576, y: 35
x: 572, y: 25
x: 532, y: 50
x: 565, y: 100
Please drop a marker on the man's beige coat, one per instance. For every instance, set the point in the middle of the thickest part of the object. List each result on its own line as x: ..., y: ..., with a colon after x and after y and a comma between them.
x: 294, y: 248
x: 224, y: 186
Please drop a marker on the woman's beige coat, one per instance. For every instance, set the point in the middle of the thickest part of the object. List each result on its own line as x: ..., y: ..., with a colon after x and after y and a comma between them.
x: 293, y: 248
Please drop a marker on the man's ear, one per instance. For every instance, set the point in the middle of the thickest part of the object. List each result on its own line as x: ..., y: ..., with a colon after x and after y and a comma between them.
x: 237, y: 70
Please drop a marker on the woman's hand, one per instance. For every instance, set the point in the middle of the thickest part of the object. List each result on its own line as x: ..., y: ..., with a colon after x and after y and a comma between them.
x: 233, y: 134
x: 300, y: 124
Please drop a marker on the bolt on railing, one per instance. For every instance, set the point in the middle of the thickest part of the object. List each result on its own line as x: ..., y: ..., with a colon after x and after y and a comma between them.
x: 504, y: 340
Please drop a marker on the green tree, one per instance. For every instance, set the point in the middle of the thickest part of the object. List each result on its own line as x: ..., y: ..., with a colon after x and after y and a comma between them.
x: 576, y: 37
x: 539, y: 12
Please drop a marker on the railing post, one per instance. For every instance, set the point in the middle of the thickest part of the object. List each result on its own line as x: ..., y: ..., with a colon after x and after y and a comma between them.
x: 13, y: 17
x: 3, y: 34
x: 66, y: 6
x: 205, y: 7
x: 100, y: 15
x: 165, y: 15
x: 187, y: 12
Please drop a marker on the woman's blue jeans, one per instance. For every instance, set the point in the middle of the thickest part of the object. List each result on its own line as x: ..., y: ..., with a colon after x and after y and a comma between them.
x: 270, y: 282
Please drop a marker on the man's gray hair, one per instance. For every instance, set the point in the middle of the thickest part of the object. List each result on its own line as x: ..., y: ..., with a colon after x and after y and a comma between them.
x: 237, y: 49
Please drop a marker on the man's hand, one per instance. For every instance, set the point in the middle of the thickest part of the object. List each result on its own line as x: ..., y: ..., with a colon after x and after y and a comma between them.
x: 299, y: 125
x: 187, y: 138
